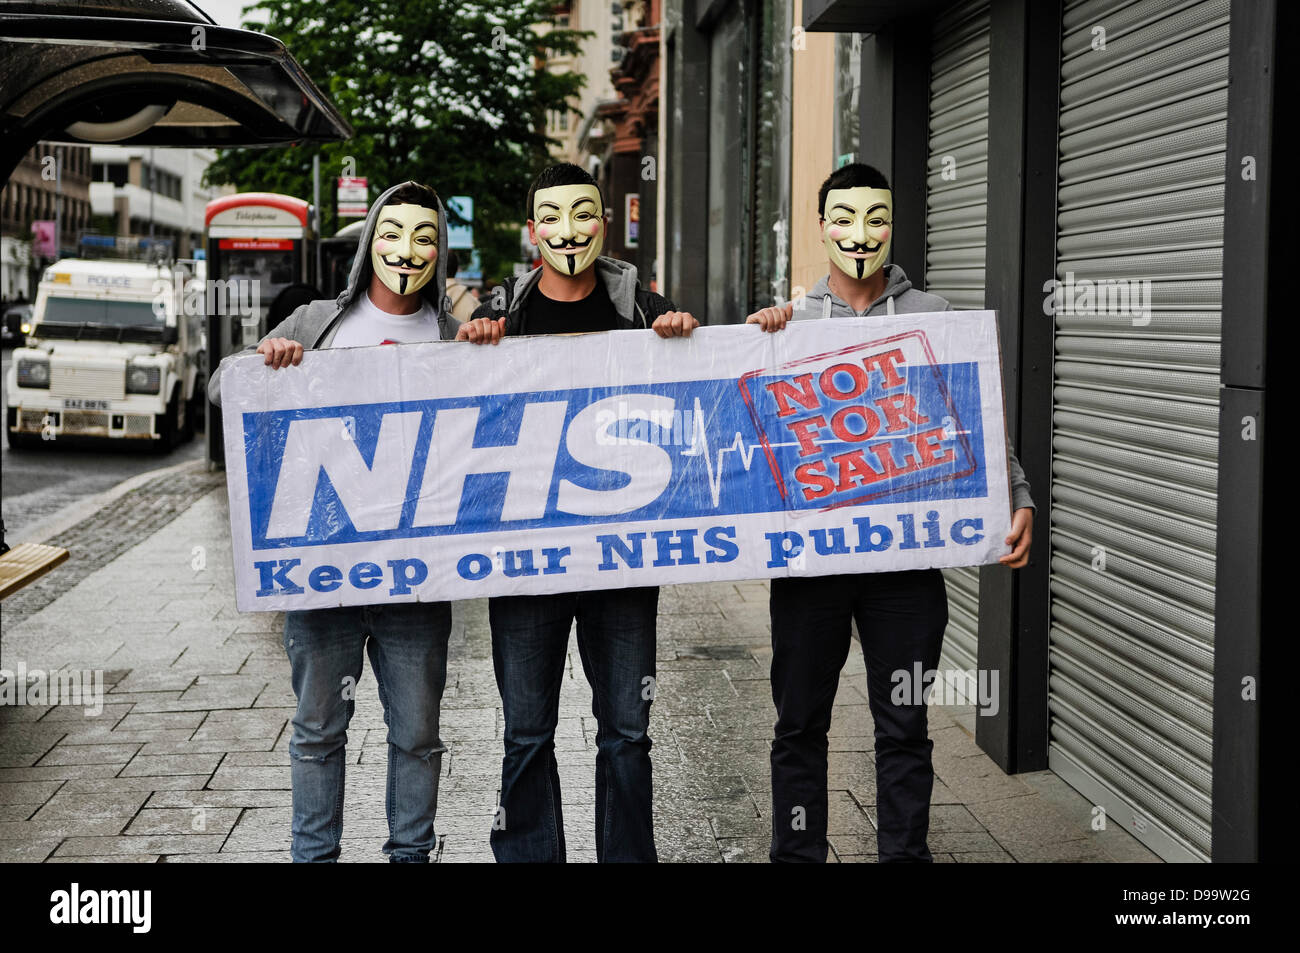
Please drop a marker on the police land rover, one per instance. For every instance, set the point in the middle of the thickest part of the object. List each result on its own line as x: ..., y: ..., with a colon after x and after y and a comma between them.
x: 112, y: 353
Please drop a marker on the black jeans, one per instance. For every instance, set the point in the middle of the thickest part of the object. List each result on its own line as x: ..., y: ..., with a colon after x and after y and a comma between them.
x: 616, y: 640
x: 901, y: 618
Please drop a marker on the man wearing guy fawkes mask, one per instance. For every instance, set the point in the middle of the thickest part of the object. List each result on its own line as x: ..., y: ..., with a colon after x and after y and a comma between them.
x: 574, y: 290
x: 396, y: 294
x: 901, y: 616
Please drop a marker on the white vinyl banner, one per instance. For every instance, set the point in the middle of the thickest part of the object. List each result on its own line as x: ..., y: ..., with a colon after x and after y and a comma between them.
x: 569, y: 462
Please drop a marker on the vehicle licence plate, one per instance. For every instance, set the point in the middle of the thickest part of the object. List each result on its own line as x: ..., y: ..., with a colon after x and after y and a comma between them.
x: 84, y: 403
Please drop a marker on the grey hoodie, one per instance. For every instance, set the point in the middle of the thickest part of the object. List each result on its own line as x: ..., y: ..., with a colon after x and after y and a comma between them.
x: 899, y: 297
x: 314, y: 324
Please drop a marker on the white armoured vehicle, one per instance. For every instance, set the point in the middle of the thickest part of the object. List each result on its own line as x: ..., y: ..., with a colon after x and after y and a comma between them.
x: 113, y: 352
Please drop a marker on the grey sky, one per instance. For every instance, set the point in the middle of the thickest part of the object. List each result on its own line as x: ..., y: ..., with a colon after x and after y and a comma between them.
x: 225, y: 12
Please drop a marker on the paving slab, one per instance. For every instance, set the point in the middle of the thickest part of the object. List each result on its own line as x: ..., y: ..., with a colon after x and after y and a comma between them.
x: 188, y: 763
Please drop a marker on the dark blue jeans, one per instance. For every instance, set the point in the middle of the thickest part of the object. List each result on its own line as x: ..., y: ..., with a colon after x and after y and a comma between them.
x: 407, y: 644
x: 616, y: 640
x: 901, y: 618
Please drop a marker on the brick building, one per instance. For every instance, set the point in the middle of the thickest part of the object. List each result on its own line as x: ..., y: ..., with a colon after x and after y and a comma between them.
x: 48, y: 175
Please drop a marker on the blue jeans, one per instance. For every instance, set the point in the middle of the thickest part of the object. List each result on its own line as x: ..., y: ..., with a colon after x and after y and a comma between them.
x: 616, y: 640
x: 407, y: 645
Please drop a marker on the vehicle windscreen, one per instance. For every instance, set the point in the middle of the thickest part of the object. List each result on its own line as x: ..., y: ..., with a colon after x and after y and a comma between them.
x: 102, y: 311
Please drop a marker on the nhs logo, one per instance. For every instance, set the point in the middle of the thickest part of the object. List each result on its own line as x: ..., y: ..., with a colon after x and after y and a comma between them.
x: 452, y: 466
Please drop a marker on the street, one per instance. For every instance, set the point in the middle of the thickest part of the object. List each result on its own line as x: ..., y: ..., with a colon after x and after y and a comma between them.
x: 37, y: 484
x: 187, y: 757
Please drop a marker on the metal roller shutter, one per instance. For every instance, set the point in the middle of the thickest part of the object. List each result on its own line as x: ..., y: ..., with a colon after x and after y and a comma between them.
x: 1135, y: 414
x: 956, y: 190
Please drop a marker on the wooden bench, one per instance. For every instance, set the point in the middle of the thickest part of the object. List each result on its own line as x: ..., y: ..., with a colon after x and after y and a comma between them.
x: 25, y: 563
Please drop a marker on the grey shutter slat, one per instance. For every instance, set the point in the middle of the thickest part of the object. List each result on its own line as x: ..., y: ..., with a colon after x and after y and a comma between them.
x: 1145, y: 380
x: 1135, y: 413
x: 1125, y: 540
x: 1203, y: 417
x: 1173, y: 528
x: 955, y: 230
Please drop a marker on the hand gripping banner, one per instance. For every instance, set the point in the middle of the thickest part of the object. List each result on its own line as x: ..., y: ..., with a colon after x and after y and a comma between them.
x: 561, y: 463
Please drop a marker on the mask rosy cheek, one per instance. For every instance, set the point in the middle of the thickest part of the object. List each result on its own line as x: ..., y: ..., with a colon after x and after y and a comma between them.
x: 545, y: 231
x: 591, y: 228
x: 834, y: 234
x: 882, y: 235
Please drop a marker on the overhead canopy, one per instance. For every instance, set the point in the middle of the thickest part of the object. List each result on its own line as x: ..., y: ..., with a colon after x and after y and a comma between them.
x: 862, y: 16
x: 148, y: 72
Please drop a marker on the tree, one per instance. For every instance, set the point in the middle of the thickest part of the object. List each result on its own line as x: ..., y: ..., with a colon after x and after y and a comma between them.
x: 451, y: 93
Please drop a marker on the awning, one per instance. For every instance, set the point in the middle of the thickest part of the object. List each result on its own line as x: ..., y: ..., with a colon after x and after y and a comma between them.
x: 148, y: 72
x: 862, y: 16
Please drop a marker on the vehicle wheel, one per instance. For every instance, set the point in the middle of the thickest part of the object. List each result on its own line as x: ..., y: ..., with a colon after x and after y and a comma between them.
x: 25, y: 441
x: 167, y: 425
x: 199, y: 410
x: 185, y: 431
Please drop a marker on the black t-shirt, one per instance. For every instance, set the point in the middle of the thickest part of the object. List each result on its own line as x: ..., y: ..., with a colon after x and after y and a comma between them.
x: 593, y: 313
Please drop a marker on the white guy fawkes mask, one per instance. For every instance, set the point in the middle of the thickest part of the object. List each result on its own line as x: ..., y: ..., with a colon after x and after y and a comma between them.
x: 857, y: 227
x: 404, y: 250
x: 569, y: 222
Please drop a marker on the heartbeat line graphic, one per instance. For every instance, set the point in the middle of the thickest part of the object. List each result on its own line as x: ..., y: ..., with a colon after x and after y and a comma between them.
x: 713, y: 465
x: 700, y: 448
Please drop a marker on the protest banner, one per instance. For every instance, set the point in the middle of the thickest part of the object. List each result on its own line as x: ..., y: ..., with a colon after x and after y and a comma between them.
x: 570, y: 462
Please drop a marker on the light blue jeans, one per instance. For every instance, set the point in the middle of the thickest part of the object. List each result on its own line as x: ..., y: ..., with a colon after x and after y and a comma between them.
x: 407, y: 645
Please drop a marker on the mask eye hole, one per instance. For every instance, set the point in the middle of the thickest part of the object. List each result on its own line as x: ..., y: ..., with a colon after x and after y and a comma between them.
x: 877, y: 222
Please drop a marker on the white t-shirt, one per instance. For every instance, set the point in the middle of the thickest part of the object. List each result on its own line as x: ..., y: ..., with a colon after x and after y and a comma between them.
x: 364, y: 324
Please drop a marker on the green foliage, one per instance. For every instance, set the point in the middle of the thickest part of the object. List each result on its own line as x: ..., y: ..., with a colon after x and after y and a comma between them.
x: 446, y: 92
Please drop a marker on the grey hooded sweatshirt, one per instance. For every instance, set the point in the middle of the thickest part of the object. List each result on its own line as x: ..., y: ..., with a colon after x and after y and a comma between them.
x: 314, y: 324
x: 899, y: 297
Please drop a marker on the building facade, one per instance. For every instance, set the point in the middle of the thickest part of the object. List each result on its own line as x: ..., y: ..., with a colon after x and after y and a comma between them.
x: 157, y: 193
x: 49, y: 184
x: 1047, y: 160
x: 629, y: 171
x: 726, y: 154
x: 582, y: 134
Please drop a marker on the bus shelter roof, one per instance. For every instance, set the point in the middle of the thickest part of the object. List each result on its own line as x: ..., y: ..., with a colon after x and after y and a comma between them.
x: 148, y: 72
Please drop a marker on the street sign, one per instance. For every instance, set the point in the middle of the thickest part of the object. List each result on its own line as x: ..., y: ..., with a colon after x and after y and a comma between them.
x: 45, y: 244
x: 353, y: 196
x: 631, y: 218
